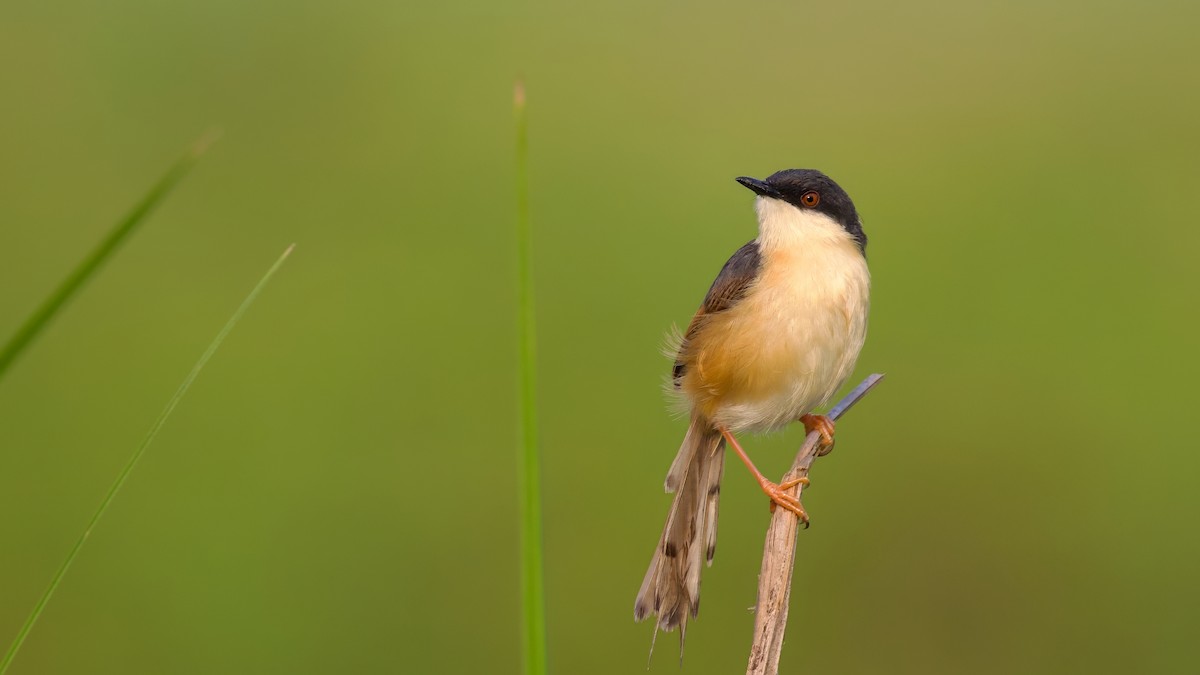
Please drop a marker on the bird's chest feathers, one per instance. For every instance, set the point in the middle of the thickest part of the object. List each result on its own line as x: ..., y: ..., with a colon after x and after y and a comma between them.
x: 793, y: 339
x: 807, y: 309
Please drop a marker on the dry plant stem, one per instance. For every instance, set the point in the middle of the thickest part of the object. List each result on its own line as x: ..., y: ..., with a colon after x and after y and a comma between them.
x: 779, y: 552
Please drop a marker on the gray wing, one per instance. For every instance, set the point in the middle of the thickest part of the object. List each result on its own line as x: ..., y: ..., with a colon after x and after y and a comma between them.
x: 736, y: 277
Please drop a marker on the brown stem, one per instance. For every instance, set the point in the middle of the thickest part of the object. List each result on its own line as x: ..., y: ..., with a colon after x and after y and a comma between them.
x: 779, y: 552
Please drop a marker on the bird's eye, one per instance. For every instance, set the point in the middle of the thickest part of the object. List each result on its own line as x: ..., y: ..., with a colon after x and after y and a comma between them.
x: 810, y: 199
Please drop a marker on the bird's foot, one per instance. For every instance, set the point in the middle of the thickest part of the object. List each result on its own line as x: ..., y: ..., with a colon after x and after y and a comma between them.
x: 777, y: 493
x: 822, y: 425
x: 779, y: 496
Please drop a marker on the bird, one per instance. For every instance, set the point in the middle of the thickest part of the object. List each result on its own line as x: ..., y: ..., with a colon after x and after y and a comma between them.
x: 776, y: 336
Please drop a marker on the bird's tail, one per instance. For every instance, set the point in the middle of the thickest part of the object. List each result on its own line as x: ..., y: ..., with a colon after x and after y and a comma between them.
x: 671, y: 588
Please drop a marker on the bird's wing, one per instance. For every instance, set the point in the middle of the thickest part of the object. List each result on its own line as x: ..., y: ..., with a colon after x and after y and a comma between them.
x: 735, y: 279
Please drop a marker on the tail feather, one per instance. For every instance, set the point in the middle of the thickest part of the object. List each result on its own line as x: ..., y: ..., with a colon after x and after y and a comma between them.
x: 671, y: 587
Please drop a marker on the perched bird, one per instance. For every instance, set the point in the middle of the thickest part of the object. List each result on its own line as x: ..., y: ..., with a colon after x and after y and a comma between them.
x: 776, y: 336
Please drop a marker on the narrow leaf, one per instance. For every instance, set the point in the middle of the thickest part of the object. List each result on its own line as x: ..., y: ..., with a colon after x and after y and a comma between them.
x: 133, y: 460
x: 532, y: 586
x: 88, y: 267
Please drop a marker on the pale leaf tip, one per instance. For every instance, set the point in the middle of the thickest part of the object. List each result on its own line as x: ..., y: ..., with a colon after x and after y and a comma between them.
x: 519, y: 94
x: 206, y: 141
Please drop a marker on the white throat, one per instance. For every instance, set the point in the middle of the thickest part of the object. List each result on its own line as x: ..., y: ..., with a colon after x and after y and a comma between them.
x: 783, y: 226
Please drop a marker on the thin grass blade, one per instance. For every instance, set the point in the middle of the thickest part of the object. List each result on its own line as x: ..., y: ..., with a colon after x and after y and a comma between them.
x: 533, y: 628
x: 133, y: 460
x: 88, y: 267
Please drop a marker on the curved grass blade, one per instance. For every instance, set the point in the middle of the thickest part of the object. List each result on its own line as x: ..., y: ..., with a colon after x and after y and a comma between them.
x: 88, y: 266
x: 133, y: 460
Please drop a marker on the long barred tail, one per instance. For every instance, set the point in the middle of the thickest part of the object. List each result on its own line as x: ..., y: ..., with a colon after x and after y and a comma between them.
x: 671, y: 588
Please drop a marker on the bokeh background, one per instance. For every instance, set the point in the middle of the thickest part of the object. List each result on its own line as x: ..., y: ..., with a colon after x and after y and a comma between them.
x: 337, y: 492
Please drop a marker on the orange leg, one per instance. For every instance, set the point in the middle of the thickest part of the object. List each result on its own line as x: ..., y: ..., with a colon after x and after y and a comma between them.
x: 824, y: 426
x: 776, y: 492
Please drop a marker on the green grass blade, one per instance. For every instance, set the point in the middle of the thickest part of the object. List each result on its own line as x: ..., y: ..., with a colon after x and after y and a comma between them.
x: 533, y: 633
x: 133, y: 460
x: 103, y: 251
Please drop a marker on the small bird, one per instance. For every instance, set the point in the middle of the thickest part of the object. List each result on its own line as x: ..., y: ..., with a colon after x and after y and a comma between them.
x: 776, y: 336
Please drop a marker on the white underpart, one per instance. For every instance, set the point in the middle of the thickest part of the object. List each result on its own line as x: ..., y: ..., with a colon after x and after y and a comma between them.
x: 813, y: 298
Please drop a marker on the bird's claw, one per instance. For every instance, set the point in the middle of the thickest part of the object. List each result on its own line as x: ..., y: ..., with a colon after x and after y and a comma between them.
x: 779, y: 496
x: 822, y: 425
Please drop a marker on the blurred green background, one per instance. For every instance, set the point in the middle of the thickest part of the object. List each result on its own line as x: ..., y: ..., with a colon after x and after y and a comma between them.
x: 336, y: 494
